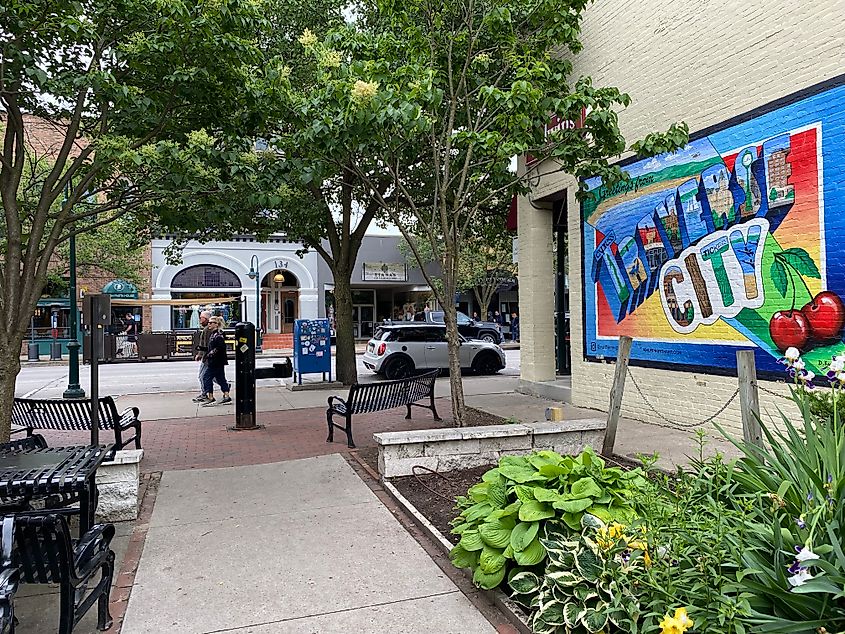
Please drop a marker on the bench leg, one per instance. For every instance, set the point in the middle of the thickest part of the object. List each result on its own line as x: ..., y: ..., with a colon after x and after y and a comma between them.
x: 433, y: 408
x: 409, y: 412
x: 349, y: 442
x: 331, y: 427
x: 138, y: 436
x: 66, y: 608
x: 104, y: 620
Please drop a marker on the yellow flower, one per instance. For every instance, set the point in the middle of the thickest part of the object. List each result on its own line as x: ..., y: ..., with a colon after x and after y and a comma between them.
x: 364, y: 91
x: 616, y: 530
x: 330, y: 59
x: 684, y: 621
x: 307, y: 39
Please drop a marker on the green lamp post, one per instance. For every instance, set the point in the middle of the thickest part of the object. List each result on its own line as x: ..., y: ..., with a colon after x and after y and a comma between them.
x: 73, y: 388
x: 254, y: 274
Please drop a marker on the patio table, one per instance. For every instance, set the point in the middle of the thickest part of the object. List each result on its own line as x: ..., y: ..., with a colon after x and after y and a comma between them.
x: 55, y: 470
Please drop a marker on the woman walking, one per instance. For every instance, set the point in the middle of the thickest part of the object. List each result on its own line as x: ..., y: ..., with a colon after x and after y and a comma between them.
x: 216, y: 362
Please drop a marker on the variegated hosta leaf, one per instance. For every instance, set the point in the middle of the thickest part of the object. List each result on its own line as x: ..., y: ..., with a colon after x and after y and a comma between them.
x: 523, y: 534
x: 525, y: 583
x: 560, y: 559
x: 594, y: 619
x: 462, y: 558
x: 585, y: 593
x: 564, y: 578
x: 532, y: 555
x: 589, y: 520
x: 572, y: 613
x: 496, y: 534
x: 471, y: 540
x: 491, y: 560
x: 488, y: 581
x: 552, y: 613
x: 588, y: 564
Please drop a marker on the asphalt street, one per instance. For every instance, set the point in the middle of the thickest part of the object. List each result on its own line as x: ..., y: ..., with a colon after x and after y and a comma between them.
x: 151, y: 377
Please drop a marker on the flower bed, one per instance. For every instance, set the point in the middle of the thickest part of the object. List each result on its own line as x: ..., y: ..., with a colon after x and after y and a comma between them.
x: 752, y: 545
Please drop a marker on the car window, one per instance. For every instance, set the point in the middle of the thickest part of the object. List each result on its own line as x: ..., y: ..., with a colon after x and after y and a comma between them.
x: 436, y: 315
x: 435, y: 334
x: 384, y: 334
x: 463, y: 320
x: 410, y: 334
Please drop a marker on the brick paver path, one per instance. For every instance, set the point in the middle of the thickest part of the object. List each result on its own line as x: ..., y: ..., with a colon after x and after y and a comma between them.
x: 202, y: 443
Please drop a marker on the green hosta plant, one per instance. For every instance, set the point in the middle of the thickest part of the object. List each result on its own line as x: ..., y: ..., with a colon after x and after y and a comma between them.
x: 502, y: 516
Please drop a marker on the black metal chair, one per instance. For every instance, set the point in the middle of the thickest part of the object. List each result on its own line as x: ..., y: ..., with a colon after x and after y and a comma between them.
x: 45, y: 553
x: 9, y: 577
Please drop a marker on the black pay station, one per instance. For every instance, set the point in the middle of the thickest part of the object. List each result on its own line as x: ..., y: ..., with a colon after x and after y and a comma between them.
x: 245, y: 376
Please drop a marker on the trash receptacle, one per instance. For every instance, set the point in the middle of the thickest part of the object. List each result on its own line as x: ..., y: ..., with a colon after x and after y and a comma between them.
x: 55, y: 351
x: 32, y: 352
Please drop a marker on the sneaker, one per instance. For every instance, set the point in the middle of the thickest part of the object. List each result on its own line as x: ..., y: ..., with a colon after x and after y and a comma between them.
x: 225, y: 399
x: 202, y: 398
x: 209, y: 403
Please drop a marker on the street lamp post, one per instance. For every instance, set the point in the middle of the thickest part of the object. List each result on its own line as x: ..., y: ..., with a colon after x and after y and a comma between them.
x: 74, y: 390
x: 254, y: 274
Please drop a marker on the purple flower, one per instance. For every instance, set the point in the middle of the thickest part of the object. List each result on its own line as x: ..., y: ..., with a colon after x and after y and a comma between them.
x: 800, y: 523
x: 810, y: 496
x: 830, y: 478
x: 794, y: 568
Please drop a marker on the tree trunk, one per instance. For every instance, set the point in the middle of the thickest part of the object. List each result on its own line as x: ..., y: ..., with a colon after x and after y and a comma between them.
x: 10, y: 366
x: 347, y: 370
x: 450, y: 316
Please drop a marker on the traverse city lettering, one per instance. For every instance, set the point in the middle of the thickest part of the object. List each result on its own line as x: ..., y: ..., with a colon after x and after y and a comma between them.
x: 702, y: 245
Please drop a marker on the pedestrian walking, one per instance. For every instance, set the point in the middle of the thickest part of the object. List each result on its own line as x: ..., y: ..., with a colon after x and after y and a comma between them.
x: 514, y: 327
x: 130, y: 331
x: 216, y: 360
x: 199, y: 355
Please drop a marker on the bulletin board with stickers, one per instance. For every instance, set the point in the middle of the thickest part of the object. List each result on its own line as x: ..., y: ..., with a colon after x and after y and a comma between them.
x: 312, y: 352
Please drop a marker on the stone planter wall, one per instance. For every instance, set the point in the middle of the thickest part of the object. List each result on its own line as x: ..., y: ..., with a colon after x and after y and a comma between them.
x: 117, y: 482
x: 466, y: 447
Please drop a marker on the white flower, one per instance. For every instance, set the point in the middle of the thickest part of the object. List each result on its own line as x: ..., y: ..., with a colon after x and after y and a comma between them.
x: 364, y: 91
x: 800, y: 578
x: 808, y: 376
x: 840, y: 376
x: 792, y: 353
x: 837, y: 365
x: 798, y: 365
x: 307, y: 39
x: 806, y: 554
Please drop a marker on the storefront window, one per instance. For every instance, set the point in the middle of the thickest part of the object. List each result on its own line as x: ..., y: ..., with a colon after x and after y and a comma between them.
x: 225, y: 305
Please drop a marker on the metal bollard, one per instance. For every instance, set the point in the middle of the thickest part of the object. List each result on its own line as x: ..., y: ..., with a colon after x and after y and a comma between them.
x: 55, y: 351
x: 245, y: 376
x: 32, y: 352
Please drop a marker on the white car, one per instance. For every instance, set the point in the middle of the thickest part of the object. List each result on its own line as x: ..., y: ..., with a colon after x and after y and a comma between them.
x: 398, y: 350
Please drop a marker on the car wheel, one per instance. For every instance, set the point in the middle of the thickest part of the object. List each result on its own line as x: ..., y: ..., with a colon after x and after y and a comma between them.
x: 486, y: 364
x: 399, y: 368
x: 489, y: 338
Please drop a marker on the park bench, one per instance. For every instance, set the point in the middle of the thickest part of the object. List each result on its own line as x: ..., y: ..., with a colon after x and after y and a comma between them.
x: 45, y: 553
x: 34, y: 414
x: 375, y: 397
x: 9, y: 576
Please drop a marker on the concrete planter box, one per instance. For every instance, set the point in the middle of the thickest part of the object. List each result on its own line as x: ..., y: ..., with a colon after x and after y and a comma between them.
x: 118, y: 481
x: 466, y: 447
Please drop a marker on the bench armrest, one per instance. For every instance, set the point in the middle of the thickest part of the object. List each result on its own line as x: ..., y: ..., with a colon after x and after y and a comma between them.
x: 336, y: 398
x: 129, y: 417
x: 94, y: 542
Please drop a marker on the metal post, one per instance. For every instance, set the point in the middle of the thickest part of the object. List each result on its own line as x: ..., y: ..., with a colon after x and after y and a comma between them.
x: 244, y: 377
x: 616, y: 395
x: 74, y: 390
x: 749, y: 401
x: 255, y: 274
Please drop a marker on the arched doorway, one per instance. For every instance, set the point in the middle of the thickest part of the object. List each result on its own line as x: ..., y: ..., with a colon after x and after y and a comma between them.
x: 280, y: 301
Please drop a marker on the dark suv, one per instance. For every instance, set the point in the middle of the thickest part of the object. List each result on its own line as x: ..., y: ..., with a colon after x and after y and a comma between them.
x: 469, y: 328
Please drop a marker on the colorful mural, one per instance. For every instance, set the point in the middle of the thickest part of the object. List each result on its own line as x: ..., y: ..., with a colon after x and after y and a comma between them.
x: 736, y: 241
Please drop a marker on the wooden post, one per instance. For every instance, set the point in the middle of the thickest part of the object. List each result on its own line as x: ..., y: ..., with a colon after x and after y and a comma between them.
x: 749, y: 401
x: 616, y: 394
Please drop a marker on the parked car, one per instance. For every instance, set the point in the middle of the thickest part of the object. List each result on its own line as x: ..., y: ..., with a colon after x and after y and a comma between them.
x: 398, y: 350
x: 470, y: 328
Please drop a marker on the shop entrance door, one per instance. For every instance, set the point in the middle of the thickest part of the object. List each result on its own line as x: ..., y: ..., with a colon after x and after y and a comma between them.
x: 363, y: 316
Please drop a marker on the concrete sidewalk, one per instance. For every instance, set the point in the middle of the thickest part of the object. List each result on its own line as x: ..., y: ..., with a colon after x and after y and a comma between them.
x: 291, y: 547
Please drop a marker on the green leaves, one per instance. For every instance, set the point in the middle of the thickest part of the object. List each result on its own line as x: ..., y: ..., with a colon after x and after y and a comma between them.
x: 523, y: 534
x: 585, y: 487
x: 496, y: 534
x: 796, y: 259
x: 533, y: 511
x: 532, y: 555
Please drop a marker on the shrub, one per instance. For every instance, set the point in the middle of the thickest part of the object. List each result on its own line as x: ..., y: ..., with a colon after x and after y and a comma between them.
x: 502, y: 517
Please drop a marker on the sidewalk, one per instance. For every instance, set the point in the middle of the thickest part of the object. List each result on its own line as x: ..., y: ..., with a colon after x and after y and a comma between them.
x: 291, y: 547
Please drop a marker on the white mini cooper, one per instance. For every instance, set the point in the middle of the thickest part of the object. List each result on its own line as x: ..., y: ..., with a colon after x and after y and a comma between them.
x: 398, y: 350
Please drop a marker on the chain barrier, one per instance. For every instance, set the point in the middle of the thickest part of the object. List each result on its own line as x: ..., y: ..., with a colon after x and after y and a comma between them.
x: 672, y: 424
x: 772, y: 393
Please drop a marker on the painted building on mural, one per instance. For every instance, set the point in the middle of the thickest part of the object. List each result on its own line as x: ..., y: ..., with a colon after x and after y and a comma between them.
x: 731, y: 243
x: 290, y: 284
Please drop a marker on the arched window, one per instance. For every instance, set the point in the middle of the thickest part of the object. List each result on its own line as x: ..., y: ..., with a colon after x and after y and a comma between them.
x: 205, y: 276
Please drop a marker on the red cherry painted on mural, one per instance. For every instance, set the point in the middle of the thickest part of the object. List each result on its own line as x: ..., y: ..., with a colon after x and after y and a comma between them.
x: 826, y: 314
x: 789, y: 328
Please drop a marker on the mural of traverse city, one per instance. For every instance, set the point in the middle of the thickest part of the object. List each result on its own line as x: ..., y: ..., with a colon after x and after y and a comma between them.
x: 734, y: 242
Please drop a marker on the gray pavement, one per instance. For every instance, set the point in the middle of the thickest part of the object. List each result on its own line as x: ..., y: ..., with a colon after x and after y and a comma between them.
x: 298, y: 546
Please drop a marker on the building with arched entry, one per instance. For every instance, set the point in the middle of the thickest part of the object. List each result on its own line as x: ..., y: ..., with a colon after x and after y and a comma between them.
x: 289, y: 284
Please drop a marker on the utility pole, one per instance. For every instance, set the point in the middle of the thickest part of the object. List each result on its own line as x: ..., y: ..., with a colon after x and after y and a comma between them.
x: 73, y: 388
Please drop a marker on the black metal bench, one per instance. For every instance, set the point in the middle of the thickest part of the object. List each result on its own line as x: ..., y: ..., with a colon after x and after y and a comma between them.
x: 45, y: 553
x: 76, y: 414
x: 375, y: 397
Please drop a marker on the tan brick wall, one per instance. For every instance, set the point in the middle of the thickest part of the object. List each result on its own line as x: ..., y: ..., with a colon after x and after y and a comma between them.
x: 701, y: 62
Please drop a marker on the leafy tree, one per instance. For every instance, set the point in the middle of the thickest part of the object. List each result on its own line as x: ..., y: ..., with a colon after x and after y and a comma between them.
x: 124, y: 91
x: 441, y: 96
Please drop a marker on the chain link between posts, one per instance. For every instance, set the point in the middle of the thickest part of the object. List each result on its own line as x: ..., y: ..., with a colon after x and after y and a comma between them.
x: 673, y: 424
x: 771, y: 393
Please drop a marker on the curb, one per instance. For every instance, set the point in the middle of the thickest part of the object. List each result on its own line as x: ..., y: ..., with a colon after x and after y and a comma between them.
x: 499, y: 598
